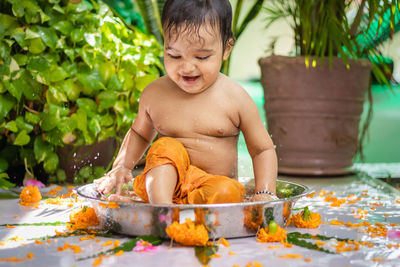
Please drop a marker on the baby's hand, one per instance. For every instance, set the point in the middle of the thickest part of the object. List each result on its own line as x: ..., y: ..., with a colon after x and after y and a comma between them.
x: 117, y: 177
x: 262, y: 197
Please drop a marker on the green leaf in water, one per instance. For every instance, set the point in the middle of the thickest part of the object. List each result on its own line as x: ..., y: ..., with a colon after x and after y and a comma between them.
x: 204, y: 254
x: 298, y: 239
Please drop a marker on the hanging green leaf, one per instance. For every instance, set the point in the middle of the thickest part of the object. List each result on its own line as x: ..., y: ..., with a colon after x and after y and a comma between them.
x: 22, y: 138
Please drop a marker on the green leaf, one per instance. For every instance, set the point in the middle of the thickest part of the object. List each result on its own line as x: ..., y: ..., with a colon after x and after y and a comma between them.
x: 63, y: 26
x: 88, y: 105
x: 7, y: 102
x: 71, y: 89
x: 27, y: 85
x: 7, y: 25
x: 12, y: 126
x: 203, y: 254
x: 32, y: 117
x: 22, y: 138
x: 38, y: 63
x: 94, y: 125
x: 106, y: 120
x: 93, y: 39
x: 81, y: 119
x: 114, y: 84
x: 61, y: 176
x: 85, y: 171
x: 90, y: 78
x: 57, y: 73
x: 54, y: 137
x: 48, y: 35
x: 4, y: 183
x: 77, y: 35
x: 67, y: 125
x: 21, y: 59
x: 36, y: 46
x: 41, y: 149
x: 3, y: 165
x: 50, y: 163
x: 144, y: 80
x: 55, y: 95
x: 107, y: 99
x: 106, y: 133
x: 22, y: 125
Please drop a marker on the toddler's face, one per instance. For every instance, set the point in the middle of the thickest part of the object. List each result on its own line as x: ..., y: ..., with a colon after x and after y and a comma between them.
x: 193, y: 60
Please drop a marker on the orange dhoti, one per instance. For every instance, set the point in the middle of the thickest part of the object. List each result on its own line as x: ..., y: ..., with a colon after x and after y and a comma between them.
x: 194, y: 186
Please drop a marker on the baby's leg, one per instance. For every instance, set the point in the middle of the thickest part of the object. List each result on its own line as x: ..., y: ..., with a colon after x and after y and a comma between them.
x: 217, y: 189
x: 160, y: 184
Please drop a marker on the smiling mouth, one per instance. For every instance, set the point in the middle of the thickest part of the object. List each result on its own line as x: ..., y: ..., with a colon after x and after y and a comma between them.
x: 190, y: 78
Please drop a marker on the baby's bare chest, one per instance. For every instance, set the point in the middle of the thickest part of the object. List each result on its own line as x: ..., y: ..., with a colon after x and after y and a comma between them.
x: 183, y: 119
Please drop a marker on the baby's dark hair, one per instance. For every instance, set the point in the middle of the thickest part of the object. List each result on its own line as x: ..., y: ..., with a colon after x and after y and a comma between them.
x: 195, y: 13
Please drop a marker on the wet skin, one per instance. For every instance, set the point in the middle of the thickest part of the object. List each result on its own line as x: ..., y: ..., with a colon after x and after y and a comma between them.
x: 203, y: 109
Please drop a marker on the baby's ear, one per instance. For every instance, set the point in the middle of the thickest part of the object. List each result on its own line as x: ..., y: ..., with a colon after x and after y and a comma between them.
x: 228, y: 48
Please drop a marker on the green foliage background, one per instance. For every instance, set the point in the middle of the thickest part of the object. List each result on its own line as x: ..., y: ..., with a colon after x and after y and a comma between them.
x: 70, y: 73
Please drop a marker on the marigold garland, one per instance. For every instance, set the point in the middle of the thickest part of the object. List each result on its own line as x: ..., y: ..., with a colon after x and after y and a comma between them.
x: 30, y: 195
x: 271, y: 233
x: 306, y: 219
x: 83, y: 218
x: 188, y: 233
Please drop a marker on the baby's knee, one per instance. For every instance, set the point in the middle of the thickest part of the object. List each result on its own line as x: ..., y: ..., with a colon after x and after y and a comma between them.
x: 225, y: 190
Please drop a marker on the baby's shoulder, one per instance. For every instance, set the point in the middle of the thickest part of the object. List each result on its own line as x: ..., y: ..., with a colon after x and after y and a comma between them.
x: 155, y: 88
x: 232, y: 88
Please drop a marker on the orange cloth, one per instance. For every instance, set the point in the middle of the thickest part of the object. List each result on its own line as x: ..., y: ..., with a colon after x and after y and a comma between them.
x: 194, y: 185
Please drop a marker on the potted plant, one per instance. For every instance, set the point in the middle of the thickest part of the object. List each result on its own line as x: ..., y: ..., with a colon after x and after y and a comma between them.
x: 314, y: 100
x: 71, y: 74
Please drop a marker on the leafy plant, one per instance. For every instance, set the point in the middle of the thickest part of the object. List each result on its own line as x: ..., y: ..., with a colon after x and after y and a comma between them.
x: 323, y: 30
x: 70, y: 73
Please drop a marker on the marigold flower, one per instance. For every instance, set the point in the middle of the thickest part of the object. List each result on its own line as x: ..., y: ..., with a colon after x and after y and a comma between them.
x: 83, y: 218
x: 30, y: 195
x: 271, y: 233
x: 188, y: 233
x: 291, y: 256
x: 75, y: 248
x: 223, y: 241
x: 306, y: 219
x: 107, y: 243
x: 336, y: 222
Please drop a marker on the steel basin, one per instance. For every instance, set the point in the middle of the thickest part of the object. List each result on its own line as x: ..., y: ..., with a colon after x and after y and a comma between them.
x: 221, y: 220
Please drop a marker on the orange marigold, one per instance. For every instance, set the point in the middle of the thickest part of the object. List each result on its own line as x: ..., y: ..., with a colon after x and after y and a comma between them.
x: 271, y: 233
x: 306, y: 219
x: 83, y: 218
x: 188, y: 233
x: 30, y: 195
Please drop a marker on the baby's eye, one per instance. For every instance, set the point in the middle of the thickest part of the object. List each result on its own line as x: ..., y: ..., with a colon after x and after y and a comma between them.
x: 203, y: 58
x: 174, y: 57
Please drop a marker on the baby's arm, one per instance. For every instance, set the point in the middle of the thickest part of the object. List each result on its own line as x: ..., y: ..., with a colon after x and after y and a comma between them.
x: 135, y: 143
x: 260, y: 147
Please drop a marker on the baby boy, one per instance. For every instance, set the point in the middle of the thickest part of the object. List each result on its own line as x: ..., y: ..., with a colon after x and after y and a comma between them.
x: 197, y: 113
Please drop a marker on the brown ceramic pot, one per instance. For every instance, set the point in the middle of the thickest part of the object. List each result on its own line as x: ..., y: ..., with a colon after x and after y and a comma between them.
x: 313, y: 114
x: 73, y: 158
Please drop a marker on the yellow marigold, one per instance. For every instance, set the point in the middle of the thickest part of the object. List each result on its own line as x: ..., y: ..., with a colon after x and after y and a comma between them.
x: 188, y: 233
x: 83, y: 218
x: 306, y: 219
x: 30, y: 195
x: 271, y: 233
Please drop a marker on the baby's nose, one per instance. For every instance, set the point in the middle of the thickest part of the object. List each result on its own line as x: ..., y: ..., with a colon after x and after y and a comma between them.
x: 188, y: 67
